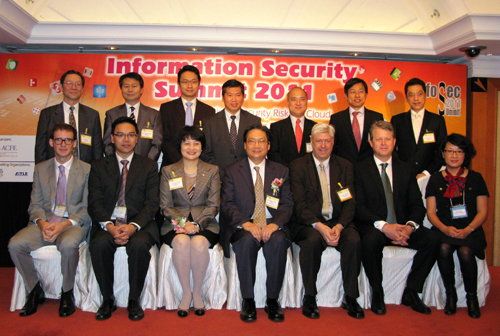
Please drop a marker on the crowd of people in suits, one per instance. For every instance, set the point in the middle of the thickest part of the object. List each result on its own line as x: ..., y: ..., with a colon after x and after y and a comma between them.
x: 350, y: 184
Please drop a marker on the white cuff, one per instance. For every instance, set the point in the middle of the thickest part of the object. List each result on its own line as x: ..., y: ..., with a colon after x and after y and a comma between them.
x: 379, y: 225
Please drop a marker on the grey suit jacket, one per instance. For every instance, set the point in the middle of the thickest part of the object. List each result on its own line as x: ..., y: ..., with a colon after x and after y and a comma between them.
x: 205, y: 203
x: 148, y: 118
x: 219, y: 149
x: 43, y: 193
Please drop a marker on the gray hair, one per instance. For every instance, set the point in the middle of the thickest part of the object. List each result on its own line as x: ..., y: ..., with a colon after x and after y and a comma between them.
x: 323, y: 128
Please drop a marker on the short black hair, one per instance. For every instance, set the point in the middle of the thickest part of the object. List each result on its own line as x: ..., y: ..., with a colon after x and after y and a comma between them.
x: 190, y: 68
x: 414, y: 81
x: 258, y: 127
x: 132, y: 75
x: 121, y: 120
x: 231, y: 84
x: 353, y: 81
x: 191, y: 133
x: 464, y: 144
x: 72, y: 72
x: 63, y: 127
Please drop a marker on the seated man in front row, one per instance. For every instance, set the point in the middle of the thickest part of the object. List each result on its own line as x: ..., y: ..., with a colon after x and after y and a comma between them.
x: 58, y: 216
x: 389, y: 211
x: 123, y: 201
x: 323, y: 194
x: 256, y: 205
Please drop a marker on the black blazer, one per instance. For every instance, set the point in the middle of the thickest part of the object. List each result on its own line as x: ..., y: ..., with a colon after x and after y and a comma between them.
x: 345, y: 145
x: 422, y: 156
x: 283, y: 146
x: 307, y: 196
x: 370, y: 198
x: 238, y: 198
x: 173, y: 117
x: 88, y: 121
x: 141, y: 193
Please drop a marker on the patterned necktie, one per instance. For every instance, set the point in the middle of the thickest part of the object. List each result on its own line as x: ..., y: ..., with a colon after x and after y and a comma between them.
x: 232, y: 131
x: 298, y: 135
x: 259, y: 213
x: 72, y: 122
x: 355, y: 129
x: 189, y: 114
x: 389, y: 200
x: 132, y: 115
x: 325, y: 192
x: 123, y: 184
x: 61, y: 187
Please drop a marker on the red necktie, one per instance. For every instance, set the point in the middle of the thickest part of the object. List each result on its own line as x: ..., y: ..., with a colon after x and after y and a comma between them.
x: 355, y: 129
x: 298, y: 135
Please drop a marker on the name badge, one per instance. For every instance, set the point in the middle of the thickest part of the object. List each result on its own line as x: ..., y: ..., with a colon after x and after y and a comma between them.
x: 175, y: 183
x: 429, y: 138
x: 272, y: 202
x: 147, y: 133
x: 60, y: 210
x: 119, y: 212
x: 86, y: 139
x: 309, y: 147
x: 344, y: 194
x: 458, y: 211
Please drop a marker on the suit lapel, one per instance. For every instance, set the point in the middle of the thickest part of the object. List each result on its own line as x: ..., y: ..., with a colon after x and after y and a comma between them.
x: 201, y: 179
x: 346, y: 119
x: 247, y: 176
x: 113, y: 171
x: 223, y: 127
x: 51, y: 173
x: 73, y: 173
x: 423, y: 129
x: 178, y: 170
x: 141, y: 120
x: 409, y: 127
x: 132, y: 173
x: 289, y: 130
x: 181, y: 113
x: 314, y: 177
x: 59, y: 114
x: 375, y: 176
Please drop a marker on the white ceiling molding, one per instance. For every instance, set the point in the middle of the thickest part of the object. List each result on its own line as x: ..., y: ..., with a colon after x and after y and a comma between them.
x: 15, y: 24
x: 484, y: 66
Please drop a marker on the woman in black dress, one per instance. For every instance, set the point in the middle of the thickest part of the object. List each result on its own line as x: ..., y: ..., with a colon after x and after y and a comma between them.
x: 457, y: 208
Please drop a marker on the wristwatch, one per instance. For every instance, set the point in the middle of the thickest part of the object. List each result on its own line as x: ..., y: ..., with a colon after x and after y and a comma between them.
x: 414, y: 225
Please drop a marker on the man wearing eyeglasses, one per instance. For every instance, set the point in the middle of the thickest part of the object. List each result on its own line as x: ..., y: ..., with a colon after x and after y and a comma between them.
x: 123, y: 201
x: 58, y: 216
x: 70, y: 111
x: 147, y: 118
x: 186, y: 110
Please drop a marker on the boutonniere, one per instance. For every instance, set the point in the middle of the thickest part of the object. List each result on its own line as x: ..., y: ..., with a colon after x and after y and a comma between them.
x: 276, y: 185
x: 178, y: 223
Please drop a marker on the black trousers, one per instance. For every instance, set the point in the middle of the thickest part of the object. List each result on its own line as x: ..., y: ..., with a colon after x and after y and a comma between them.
x: 102, y: 250
x: 423, y: 240
x: 246, y: 248
x: 312, y: 246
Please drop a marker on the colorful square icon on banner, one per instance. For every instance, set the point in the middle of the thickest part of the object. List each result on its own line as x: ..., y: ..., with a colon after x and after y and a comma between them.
x: 395, y: 73
x: 87, y: 72
x: 99, y: 91
x: 391, y: 96
x: 332, y: 98
x: 11, y: 64
x: 21, y: 99
x: 376, y: 84
x: 36, y: 110
x: 55, y: 88
x: 32, y: 82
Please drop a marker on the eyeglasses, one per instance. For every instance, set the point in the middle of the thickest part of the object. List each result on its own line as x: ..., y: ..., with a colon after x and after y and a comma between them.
x: 453, y: 152
x: 76, y: 84
x: 121, y: 135
x: 257, y: 141
x: 67, y: 141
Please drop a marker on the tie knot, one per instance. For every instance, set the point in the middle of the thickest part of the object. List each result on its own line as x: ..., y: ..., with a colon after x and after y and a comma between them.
x: 257, y: 168
x: 297, y: 122
x: 384, y: 165
x: 61, y: 169
x: 71, y: 108
x: 355, y: 113
x: 124, y: 163
x: 132, y: 109
x: 189, y: 104
x: 233, y: 117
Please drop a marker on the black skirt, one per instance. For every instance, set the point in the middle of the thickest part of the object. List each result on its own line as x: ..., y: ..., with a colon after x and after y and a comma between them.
x: 213, y: 238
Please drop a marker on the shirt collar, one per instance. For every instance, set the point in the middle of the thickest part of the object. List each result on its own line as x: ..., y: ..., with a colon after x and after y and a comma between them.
x: 417, y: 114
x: 66, y: 106
x: 361, y: 110
x: 378, y: 162
x: 67, y: 164
x: 294, y: 120
x: 128, y: 158
x: 317, y: 162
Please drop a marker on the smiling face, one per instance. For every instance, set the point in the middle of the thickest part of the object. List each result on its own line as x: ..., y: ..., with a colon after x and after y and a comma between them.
x: 453, y: 156
x: 189, y: 84
x: 72, y: 88
x: 322, y: 145
x: 256, y: 145
x: 191, y: 149
x: 415, y: 96
x: 356, y: 96
x: 297, y: 102
x: 124, y: 138
x: 63, y: 144
x: 382, y: 142
x: 131, y: 90
x: 233, y: 99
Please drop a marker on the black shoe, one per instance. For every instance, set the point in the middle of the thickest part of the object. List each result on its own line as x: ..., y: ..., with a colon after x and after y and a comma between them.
x: 34, y: 298
x: 199, y: 311
x: 309, y: 307
x: 353, y: 309
x: 473, y: 305
x: 450, y: 307
x: 104, y: 312
x: 378, y: 304
x: 248, y: 312
x: 135, y: 312
x: 274, y: 311
x: 67, y: 304
x: 182, y: 313
x: 411, y: 299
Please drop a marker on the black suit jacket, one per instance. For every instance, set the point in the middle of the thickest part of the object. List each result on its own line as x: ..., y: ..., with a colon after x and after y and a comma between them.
x: 141, y: 192
x: 370, y: 198
x: 219, y: 149
x: 238, y: 198
x: 88, y: 121
x: 307, y: 196
x: 283, y: 145
x: 173, y: 117
x: 422, y: 156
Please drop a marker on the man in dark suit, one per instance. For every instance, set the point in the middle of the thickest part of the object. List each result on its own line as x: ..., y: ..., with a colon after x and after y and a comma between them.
x: 84, y: 119
x: 291, y: 136
x: 224, y: 132
x: 256, y: 205
x: 174, y: 114
x: 389, y: 211
x: 323, y: 195
x: 352, y: 124
x: 147, y: 118
x: 58, y: 216
x: 419, y: 133
x: 123, y: 201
